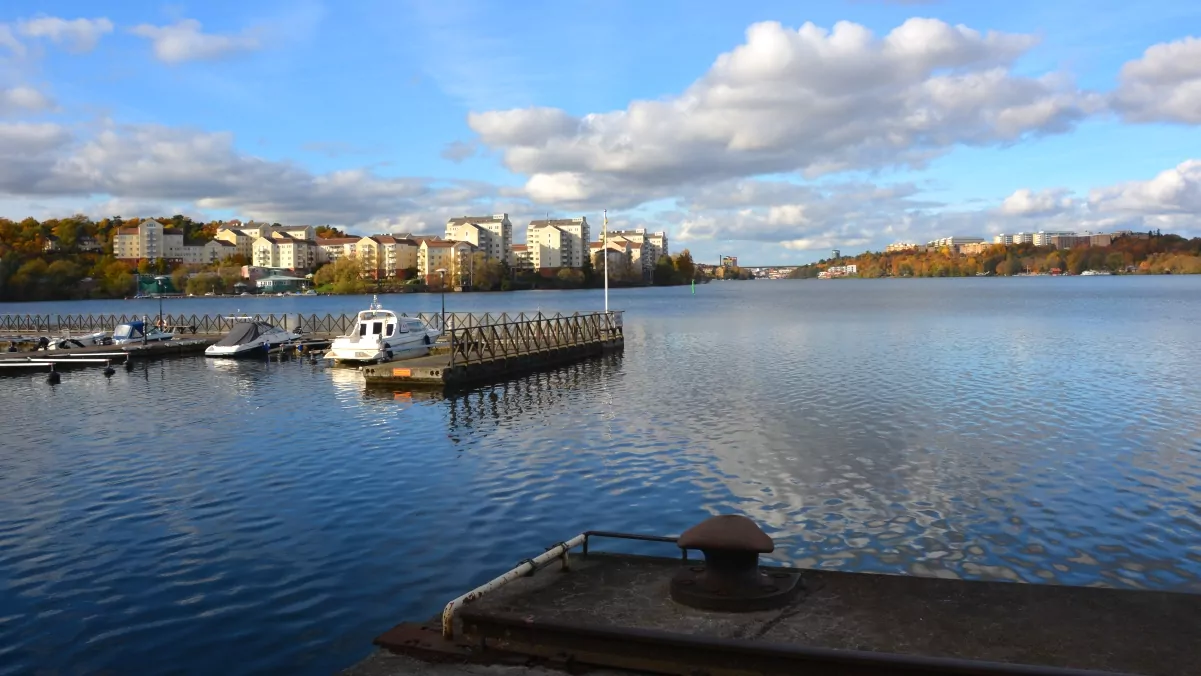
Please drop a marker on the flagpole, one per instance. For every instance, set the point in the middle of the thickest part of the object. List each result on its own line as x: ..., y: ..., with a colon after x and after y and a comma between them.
x: 605, y: 253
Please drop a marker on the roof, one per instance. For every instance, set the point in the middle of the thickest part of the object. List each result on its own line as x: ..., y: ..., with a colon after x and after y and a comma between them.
x: 439, y: 243
x: 337, y: 241
x: 558, y: 221
x: 476, y: 219
x: 520, y: 247
x: 133, y: 230
x: 425, y: 238
x: 281, y: 278
x: 221, y: 242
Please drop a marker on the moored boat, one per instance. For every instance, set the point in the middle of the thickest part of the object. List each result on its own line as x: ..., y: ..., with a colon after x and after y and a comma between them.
x: 139, y: 332
x: 250, y: 337
x: 379, y: 335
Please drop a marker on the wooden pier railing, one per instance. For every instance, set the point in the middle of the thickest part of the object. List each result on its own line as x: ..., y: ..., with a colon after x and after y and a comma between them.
x: 328, y: 324
x: 523, y: 335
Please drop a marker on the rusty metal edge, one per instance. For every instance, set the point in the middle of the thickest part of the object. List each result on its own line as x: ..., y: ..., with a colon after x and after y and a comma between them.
x: 669, y: 652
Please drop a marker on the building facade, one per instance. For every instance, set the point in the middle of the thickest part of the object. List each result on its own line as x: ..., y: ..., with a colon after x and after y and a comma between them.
x: 497, y: 243
x: 573, y: 240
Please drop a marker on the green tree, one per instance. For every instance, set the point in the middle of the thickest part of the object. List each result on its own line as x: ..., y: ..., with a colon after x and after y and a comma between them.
x: 664, y: 273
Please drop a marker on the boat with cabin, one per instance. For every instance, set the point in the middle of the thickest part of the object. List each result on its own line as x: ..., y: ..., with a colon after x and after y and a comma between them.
x: 379, y: 335
x: 250, y: 337
x: 138, y: 332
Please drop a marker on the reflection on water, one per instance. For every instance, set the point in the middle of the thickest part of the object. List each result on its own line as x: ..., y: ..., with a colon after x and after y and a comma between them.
x: 277, y: 515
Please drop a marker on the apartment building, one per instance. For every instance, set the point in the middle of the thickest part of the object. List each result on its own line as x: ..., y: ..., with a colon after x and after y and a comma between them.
x: 573, y: 239
x: 653, y: 245
x: 900, y: 246
x: 330, y: 249
x: 496, y: 243
x: 1041, y: 238
x: 544, y: 247
x: 521, y: 257
x: 618, y: 252
x: 290, y: 248
x: 148, y: 240
x: 387, y: 255
x: 453, y: 257
x: 243, y: 238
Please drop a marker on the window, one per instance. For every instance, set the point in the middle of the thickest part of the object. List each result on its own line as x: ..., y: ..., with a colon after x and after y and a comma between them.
x: 362, y: 329
x: 376, y: 328
x: 391, y: 328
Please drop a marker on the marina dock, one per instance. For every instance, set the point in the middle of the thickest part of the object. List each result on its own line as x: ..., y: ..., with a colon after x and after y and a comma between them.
x: 502, y: 347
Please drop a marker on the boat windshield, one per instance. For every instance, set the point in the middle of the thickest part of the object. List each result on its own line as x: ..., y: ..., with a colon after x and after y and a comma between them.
x: 125, y: 331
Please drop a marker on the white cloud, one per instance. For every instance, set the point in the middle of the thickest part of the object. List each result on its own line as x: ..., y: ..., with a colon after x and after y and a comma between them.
x: 10, y: 42
x: 806, y: 100
x: 185, y: 41
x: 148, y: 164
x: 1175, y: 191
x: 78, y: 35
x: 1162, y: 86
x: 23, y: 99
x: 1026, y: 202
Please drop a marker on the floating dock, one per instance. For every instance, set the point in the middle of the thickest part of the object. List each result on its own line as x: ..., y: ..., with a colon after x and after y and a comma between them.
x: 484, y: 352
x: 649, y: 614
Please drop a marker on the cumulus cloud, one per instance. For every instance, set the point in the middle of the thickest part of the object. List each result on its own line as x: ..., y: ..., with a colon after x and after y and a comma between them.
x: 1026, y: 202
x: 160, y: 165
x: 23, y: 99
x: 78, y: 35
x: 1162, y: 86
x: 1175, y: 191
x: 807, y: 100
x: 185, y: 41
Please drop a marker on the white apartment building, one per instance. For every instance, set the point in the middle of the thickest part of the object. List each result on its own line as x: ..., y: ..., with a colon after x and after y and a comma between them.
x: 497, y: 243
x: 900, y: 246
x: 1044, y: 238
x: 544, y: 247
x: 573, y: 240
x: 954, y: 242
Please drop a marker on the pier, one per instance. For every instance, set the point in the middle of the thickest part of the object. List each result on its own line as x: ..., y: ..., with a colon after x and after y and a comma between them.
x: 491, y: 348
x: 472, y: 348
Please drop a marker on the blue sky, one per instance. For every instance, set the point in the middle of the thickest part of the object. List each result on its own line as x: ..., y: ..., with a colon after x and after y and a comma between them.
x: 775, y: 141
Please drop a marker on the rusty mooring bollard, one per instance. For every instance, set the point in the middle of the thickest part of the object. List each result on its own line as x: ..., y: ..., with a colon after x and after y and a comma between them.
x: 731, y: 579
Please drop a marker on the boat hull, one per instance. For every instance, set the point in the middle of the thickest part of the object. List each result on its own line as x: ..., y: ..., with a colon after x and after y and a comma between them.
x: 346, y: 351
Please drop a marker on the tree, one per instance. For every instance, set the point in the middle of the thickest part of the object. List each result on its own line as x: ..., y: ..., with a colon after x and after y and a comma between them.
x: 684, y: 266
x: 664, y: 273
x: 570, y: 277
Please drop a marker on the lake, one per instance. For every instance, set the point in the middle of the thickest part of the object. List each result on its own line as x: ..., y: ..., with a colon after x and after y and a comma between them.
x: 203, y: 517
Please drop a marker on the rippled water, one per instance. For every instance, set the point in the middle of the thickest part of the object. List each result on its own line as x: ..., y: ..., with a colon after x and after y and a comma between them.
x: 207, y: 517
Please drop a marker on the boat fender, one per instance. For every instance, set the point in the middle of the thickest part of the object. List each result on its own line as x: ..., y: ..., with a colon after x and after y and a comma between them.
x: 427, y: 339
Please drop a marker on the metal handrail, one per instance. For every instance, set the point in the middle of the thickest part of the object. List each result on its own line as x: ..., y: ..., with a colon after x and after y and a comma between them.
x: 532, y: 565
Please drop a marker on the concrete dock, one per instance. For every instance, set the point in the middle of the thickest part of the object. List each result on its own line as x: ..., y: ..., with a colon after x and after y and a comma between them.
x: 615, y: 610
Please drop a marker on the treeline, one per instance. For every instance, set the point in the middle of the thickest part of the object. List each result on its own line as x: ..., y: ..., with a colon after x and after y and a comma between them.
x: 1154, y: 253
x: 71, y: 258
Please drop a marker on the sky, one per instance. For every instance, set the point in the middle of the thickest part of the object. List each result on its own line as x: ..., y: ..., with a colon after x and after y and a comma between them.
x: 773, y: 131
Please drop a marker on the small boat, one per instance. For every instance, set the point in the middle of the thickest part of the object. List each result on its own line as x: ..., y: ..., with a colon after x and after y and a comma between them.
x: 69, y: 342
x: 250, y: 337
x: 1091, y: 273
x: 379, y: 335
x: 138, y: 332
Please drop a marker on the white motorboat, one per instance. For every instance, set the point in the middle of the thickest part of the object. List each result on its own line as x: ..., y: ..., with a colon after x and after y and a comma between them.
x: 137, y: 332
x: 379, y: 335
x: 250, y: 337
x: 68, y: 342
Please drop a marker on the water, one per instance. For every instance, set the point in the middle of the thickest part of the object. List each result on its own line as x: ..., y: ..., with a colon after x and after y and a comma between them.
x: 205, y: 517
